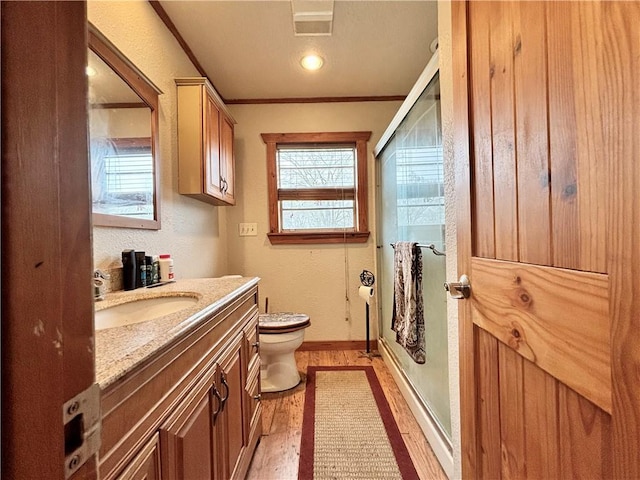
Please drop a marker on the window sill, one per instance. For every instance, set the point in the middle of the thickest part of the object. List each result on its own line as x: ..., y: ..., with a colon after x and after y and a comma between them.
x: 291, y: 238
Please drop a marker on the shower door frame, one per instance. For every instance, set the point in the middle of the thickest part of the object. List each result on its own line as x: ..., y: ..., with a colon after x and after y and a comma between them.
x: 440, y: 443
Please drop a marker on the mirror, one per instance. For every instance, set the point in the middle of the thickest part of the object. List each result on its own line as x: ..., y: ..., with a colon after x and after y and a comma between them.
x: 123, y: 139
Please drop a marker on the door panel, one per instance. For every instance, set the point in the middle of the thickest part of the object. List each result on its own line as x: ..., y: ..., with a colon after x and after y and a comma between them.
x: 556, y: 318
x: 546, y: 183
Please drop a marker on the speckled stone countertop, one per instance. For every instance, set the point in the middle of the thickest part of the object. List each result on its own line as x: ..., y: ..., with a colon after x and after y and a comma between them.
x: 120, y: 349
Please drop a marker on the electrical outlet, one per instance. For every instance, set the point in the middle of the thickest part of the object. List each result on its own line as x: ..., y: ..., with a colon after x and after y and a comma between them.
x: 248, y: 229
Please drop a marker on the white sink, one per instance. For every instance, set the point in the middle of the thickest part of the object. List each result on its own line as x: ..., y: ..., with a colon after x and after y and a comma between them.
x: 140, y: 311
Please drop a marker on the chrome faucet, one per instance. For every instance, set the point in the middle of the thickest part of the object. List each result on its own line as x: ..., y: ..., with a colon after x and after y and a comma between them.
x: 99, y: 288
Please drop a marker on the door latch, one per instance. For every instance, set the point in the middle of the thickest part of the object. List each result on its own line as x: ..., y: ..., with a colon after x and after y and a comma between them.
x: 460, y: 289
x: 82, y: 428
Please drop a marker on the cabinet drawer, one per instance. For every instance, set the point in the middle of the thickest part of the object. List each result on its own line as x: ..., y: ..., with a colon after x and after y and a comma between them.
x: 252, y: 343
x: 253, y: 392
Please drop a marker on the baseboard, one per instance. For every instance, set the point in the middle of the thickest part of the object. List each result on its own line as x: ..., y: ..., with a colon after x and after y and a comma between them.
x: 439, y: 445
x: 338, y: 345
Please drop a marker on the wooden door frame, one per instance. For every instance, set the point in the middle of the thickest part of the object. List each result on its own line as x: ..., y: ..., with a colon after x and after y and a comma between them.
x: 47, y: 306
x: 623, y: 259
x: 461, y: 138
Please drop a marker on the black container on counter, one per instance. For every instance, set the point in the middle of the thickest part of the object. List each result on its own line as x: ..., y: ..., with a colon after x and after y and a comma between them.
x: 129, y: 269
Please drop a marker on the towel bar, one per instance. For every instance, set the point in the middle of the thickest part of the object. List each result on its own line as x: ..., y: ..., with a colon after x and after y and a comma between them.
x: 431, y: 247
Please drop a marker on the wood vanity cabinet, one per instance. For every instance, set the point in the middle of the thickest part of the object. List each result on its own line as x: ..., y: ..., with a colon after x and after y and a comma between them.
x: 189, y: 412
x: 206, y: 165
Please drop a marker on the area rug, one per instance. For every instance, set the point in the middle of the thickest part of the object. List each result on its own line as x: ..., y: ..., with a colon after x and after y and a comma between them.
x: 348, y: 430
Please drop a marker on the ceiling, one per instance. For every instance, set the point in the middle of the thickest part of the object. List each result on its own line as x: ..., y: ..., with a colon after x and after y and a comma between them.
x: 249, y: 51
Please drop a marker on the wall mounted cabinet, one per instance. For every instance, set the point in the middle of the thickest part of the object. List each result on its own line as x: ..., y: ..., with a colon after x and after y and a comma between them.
x: 205, y: 143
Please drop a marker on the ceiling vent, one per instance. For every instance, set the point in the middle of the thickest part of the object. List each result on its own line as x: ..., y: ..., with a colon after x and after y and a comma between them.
x: 312, y: 17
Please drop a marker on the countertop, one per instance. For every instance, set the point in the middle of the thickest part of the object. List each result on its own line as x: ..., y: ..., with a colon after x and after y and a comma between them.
x: 119, y: 350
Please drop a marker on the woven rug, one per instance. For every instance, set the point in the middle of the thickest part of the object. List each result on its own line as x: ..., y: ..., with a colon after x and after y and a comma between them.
x: 348, y: 430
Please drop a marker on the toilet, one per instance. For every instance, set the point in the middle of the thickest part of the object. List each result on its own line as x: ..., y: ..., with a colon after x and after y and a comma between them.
x: 280, y: 335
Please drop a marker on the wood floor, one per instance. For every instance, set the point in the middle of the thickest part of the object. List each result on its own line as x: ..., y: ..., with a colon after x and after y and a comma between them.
x: 276, y: 457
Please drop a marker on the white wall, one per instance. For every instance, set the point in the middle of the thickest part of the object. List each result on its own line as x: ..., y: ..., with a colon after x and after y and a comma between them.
x: 446, y: 96
x: 194, y: 233
x: 304, y: 278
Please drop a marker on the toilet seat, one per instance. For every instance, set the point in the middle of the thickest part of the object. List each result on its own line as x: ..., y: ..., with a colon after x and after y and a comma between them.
x: 274, y: 323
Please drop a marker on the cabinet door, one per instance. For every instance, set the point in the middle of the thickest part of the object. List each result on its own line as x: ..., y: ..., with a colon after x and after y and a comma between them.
x: 227, y: 164
x: 186, y: 438
x: 231, y: 421
x: 213, y: 174
x: 146, y: 465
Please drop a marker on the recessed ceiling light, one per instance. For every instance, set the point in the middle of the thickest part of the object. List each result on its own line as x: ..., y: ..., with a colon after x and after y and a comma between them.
x: 311, y: 62
x: 90, y: 71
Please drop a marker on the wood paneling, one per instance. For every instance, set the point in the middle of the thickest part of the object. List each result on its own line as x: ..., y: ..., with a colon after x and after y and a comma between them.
x: 480, y: 103
x: 530, y: 75
x: 540, y: 422
x: 512, y: 427
x: 503, y: 134
x: 584, y: 438
x: 488, y: 405
x: 586, y: 50
x: 564, y: 110
x: 556, y: 318
x: 562, y: 139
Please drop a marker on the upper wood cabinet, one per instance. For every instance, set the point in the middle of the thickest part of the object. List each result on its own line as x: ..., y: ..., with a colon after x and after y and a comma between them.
x: 205, y: 143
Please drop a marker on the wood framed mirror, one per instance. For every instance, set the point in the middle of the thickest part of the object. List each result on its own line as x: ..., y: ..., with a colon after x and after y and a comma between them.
x: 123, y: 139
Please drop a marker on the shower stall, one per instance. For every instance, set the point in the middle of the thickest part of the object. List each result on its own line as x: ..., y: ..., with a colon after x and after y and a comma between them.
x: 410, y: 207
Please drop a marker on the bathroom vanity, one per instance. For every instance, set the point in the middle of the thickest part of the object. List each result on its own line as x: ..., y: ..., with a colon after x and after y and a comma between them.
x: 181, y: 393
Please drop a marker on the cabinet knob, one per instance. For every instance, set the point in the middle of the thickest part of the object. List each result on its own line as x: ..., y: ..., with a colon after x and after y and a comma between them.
x: 257, y: 397
x: 256, y: 345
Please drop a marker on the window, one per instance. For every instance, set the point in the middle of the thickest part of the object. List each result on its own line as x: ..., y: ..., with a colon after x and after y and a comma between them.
x: 317, y: 186
x: 122, y: 177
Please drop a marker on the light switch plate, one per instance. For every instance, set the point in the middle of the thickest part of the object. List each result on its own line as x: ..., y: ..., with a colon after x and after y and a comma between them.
x: 248, y: 229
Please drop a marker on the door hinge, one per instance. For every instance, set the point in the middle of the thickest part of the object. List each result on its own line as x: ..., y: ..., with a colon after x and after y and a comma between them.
x: 82, y: 428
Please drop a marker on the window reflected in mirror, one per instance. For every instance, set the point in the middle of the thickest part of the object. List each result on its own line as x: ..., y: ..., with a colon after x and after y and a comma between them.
x: 123, y: 139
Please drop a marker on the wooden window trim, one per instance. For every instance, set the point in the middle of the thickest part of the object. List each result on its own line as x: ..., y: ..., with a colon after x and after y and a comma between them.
x: 360, y: 234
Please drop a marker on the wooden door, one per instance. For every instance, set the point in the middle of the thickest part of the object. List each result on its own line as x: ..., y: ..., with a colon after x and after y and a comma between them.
x: 213, y: 174
x: 547, y: 144
x: 47, y: 308
x: 146, y: 464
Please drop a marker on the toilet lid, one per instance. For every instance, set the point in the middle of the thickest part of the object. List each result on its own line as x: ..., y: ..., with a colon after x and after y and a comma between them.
x: 282, y: 322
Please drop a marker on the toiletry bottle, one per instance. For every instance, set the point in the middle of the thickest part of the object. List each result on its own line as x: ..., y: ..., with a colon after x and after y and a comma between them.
x: 166, y: 268
x: 129, y: 269
x: 141, y: 271
x: 148, y: 260
x: 155, y: 269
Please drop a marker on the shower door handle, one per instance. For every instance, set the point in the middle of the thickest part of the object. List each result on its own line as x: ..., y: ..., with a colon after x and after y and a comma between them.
x: 460, y: 289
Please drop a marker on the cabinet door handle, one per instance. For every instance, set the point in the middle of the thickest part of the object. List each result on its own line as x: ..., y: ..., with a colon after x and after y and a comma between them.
x: 226, y: 386
x: 256, y: 345
x: 219, y: 403
x: 257, y: 397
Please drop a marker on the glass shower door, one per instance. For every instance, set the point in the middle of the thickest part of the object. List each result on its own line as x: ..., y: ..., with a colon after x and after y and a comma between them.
x: 411, y: 208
